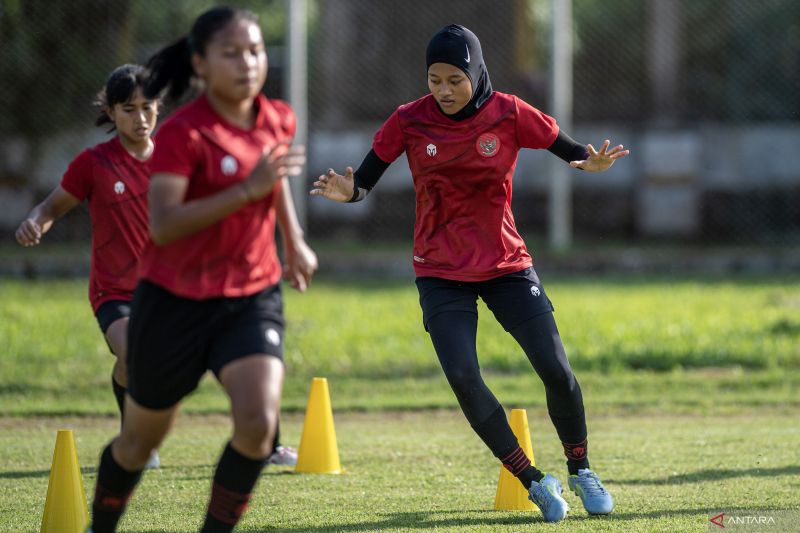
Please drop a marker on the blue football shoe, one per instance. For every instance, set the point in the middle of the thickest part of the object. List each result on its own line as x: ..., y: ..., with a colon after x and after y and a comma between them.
x: 546, y: 494
x: 595, y: 498
x: 154, y: 462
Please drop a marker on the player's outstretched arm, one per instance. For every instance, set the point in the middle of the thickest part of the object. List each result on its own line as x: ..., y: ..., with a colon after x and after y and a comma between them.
x: 602, y: 160
x: 39, y: 221
x: 334, y: 186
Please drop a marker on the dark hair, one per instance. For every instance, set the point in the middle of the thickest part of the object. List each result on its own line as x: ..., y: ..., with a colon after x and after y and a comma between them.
x: 119, y: 88
x: 171, y: 67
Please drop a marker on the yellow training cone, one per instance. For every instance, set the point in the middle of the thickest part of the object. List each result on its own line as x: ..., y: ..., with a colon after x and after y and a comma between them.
x: 318, y: 453
x: 65, y: 508
x: 511, y: 495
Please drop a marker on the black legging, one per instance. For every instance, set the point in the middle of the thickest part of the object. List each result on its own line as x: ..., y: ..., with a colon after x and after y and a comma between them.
x: 454, y: 335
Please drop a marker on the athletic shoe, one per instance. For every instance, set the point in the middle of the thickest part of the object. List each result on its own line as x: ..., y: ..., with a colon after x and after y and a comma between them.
x: 546, y: 494
x: 595, y: 498
x: 154, y: 462
x: 283, y: 455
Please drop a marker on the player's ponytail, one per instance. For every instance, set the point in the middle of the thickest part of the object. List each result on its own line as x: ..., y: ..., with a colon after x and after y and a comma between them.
x: 170, y: 69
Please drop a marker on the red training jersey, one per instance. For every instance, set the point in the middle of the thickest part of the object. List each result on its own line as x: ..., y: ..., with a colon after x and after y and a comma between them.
x: 115, y: 184
x: 235, y: 256
x: 462, y: 170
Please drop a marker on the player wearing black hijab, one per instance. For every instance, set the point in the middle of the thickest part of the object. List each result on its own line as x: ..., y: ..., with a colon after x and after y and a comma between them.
x: 462, y: 142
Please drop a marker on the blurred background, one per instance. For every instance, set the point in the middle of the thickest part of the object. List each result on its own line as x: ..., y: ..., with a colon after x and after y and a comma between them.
x: 703, y: 92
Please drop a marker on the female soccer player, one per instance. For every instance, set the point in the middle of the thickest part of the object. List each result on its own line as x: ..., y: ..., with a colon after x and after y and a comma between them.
x: 113, y: 177
x: 462, y: 142
x: 209, y: 296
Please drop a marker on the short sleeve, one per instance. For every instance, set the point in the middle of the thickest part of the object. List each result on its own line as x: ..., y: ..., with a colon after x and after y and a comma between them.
x: 175, y: 150
x: 288, y: 120
x: 78, y: 178
x: 534, y: 128
x: 388, y: 143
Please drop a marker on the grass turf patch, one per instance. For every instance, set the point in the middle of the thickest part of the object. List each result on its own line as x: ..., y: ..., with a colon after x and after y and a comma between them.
x: 426, y: 470
x: 635, y: 344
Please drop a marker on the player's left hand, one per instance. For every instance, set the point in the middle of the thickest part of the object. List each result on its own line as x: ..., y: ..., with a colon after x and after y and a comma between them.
x: 602, y: 160
x: 300, y: 264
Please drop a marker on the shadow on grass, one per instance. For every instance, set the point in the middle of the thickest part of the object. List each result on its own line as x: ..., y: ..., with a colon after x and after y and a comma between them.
x: 712, y: 475
x: 41, y: 473
x: 92, y: 470
x: 488, y: 518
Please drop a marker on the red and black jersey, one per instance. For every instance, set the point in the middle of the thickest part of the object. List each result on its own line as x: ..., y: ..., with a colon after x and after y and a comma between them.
x: 235, y: 256
x: 462, y: 171
x: 115, y: 185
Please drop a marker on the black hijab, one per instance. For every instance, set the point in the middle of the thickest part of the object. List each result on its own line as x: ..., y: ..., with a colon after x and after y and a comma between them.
x: 457, y: 46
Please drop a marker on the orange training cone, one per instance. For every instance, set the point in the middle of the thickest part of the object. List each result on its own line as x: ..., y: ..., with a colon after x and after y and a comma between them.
x: 65, y: 509
x: 511, y: 495
x: 318, y: 453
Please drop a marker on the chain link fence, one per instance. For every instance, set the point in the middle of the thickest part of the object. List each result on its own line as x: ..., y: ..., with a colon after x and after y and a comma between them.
x: 704, y: 92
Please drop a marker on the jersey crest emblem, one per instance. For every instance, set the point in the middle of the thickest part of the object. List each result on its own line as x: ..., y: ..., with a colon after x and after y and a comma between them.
x: 431, y: 149
x: 488, y: 145
x: 119, y: 187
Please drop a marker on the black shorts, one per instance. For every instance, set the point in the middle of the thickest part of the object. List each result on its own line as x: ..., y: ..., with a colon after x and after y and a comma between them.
x: 172, y: 341
x: 513, y: 298
x: 111, y: 311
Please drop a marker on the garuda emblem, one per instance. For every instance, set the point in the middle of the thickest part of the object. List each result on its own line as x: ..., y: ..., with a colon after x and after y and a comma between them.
x: 488, y: 145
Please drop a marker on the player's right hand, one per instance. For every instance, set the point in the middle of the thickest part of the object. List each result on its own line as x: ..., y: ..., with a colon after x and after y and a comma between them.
x: 29, y: 233
x: 334, y: 186
x: 275, y: 164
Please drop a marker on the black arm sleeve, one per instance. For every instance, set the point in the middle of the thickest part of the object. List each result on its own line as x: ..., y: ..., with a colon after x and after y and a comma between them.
x: 370, y: 171
x: 567, y: 149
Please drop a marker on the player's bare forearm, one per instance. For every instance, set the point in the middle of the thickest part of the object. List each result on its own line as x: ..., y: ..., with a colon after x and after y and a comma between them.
x: 57, y: 204
x: 286, y: 215
x: 171, y: 218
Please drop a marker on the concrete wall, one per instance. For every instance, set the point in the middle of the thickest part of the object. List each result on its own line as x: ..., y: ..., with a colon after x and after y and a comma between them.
x: 687, y: 183
x: 665, y: 183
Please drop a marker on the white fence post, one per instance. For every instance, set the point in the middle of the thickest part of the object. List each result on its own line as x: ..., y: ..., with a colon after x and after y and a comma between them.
x: 560, y: 193
x: 296, y: 89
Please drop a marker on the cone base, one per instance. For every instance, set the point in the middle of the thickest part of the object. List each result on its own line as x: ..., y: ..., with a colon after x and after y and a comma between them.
x: 335, y: 472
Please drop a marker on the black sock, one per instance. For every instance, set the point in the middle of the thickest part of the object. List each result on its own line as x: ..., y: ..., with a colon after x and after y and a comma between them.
x: 571, y: 429
x: 497, y: 435
x: 577, y: 457
x: 520, y: 466
x: 530, y: 476
x: 119, y: 394
x: 277, y: 440
x: 112, y: 492
x: 233, y: 484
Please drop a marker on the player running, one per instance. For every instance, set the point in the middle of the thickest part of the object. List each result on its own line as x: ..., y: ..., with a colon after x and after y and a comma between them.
x: 462, y: 141
x: 113, y: 178
x: 210, y: 298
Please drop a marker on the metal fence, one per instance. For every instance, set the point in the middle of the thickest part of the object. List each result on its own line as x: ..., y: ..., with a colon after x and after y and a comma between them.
x: 704, y: 92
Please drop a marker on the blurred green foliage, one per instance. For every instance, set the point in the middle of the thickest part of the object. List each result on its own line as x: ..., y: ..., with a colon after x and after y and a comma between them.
x: 56, y: 56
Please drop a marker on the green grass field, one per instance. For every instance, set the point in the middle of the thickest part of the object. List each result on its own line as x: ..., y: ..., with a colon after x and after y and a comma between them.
x: 705, y: 342
x: 691, y: 388
x: 427, y: 470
